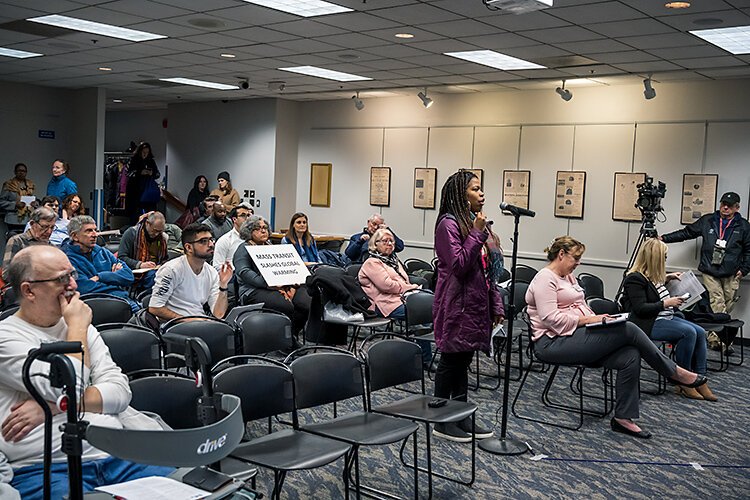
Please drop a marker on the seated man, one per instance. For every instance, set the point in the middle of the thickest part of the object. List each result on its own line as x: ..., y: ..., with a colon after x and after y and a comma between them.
x: 227, y: 244
x: 207, y: 207
x: 98, y: 270
x: 40, y: 228
x: 218, y: 223
x: 357, y: 248
x: 184, y: 284
x: 51, y: 310
x: 60, y: 231
x: 144, y: 246
x: 174, y: 240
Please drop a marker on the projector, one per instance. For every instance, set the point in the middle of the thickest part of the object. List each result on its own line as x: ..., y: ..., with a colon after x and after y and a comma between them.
x: 518, y: 6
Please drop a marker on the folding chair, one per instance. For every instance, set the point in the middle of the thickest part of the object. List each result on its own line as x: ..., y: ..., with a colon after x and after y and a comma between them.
x: 593, y: 286
x: 133, y: 348
x: 107, y: 308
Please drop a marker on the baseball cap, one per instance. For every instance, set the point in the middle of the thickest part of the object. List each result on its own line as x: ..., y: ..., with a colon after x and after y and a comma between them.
x: 730, y: 198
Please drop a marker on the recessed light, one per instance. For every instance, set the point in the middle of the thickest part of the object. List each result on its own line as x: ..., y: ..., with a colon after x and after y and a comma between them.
x: 104, y: 68
x: 18, y: 54
x: 404, y: 35
x: 325, y: 73
x: 73, y: 23
x: 229, y: 56
x: 200, y: 83
x: 494, y: 59
x: 304, y: 8
x: 206, y: 22
x: 116, y: 100
x: 677, y: 5
x: 735, y: 40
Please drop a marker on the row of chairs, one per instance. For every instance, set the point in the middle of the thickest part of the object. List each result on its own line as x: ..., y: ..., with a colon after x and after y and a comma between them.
x: 312, y: 377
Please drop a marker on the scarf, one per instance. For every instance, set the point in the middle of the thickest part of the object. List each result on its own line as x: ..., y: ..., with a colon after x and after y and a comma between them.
x: 390, y: 261
x: 495, y: 269
x: 142, y: 243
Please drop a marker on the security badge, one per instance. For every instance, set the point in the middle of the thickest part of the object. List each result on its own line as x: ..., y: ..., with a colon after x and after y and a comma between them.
x: 720, y: 249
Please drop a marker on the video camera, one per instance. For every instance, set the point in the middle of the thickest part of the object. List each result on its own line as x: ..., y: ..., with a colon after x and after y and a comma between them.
x: 649, y: 202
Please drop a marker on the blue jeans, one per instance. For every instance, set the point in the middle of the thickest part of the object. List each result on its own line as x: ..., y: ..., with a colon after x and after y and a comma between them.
x: 29, y: 481
x: 689, y: 342
x: 425, y: 345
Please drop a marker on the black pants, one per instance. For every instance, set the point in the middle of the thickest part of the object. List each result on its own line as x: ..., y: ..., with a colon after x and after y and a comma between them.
x: 297, y: 310
x: 452, y: 375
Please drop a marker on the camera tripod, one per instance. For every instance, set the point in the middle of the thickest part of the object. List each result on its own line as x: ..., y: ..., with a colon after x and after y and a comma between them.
x: 647, y: 230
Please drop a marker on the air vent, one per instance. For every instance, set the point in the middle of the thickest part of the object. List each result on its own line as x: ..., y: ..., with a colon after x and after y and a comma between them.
x: 206, y: 22
x: 36, y: 29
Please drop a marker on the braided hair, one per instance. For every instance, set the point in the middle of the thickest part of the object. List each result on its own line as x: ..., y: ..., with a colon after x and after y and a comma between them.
x: 453, y: 200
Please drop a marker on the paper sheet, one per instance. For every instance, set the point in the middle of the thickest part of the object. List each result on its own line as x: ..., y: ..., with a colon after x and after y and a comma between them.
x: 154, y: 488
x: 688, y: 283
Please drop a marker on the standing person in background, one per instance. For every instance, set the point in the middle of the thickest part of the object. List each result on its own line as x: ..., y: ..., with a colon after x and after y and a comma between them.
x: 467, y: 300
x: 225, y: 192
x: 198, y: 193
x: 299, y: 235
x: 72, y: 206
x: 142, y: 175
x: 60, y: 186
x: 20, y: 186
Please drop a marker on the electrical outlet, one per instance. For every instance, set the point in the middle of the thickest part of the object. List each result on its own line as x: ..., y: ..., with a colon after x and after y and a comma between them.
x: 252, y: 193
x: 257, y: 203
x: 246, y: 193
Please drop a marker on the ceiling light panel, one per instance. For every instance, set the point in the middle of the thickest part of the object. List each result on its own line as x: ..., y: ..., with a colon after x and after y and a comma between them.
x: 18, y: 54
x: 326, y: 73
x: 109, y: 30
x: 494, y: 60
x: 200, y: 83
x: 735, y: 40
x: 304, y: 8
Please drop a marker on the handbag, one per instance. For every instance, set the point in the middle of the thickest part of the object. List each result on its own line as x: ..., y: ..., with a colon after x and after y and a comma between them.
x: 188, y: 217
x: 151, y: 193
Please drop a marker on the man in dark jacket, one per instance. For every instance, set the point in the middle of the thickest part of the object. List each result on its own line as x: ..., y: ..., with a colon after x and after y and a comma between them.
x: 725, y: 252
x: 357, y: 249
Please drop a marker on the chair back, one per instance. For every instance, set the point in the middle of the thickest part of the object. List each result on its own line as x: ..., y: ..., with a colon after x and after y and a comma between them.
x: 592, y: 285
x: 265, y: 388
x: 419, y: 280
x: 519, y: 296
x: 132, y: 347
x: 107, y: 308
x: 418, y: 306
x: 6, y: 313
x: 393, y: 362
x: 603, y: 306
x: 412, y: 265
x: 325, y: 377
x: 524, y: 273
x: 9, y: 298
x: 353, y: 270
x: 173, y: 397
x: 266, y: 331
x: 219, y: 336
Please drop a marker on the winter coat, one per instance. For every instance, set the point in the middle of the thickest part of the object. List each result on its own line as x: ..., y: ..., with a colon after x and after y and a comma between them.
x: 61, y: 186
x: 383, y: 285
x: 357, y: 250
x: 641, y: 299
x: 464, y: 304
x: 99, y: 263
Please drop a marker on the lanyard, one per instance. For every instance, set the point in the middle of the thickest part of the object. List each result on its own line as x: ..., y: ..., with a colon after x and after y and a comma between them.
x: 722, y: 229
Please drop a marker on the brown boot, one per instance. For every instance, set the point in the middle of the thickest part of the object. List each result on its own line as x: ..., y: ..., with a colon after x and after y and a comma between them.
x: 706, y: 393
x: 688, y: 392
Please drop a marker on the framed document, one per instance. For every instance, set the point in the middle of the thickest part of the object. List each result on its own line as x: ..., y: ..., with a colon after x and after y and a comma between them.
x: 425, y: 186
x: 698, y: 196
x: 625, y: 196
x: 380, y: 186
x: 478, y: 172
x: 516, y: 187
x: 320, y: 184
x: 569, y: 194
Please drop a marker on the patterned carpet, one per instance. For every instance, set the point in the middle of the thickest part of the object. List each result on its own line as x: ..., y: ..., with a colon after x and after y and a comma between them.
x: 593, y: 462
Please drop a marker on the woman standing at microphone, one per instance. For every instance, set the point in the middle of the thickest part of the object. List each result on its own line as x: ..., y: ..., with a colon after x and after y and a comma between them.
x: 467, y: 301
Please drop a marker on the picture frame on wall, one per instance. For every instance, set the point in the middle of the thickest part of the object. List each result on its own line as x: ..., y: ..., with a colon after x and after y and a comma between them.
x: 380, y: 186
x: 570, y: 194
x: 320, y: 184
x: 425, y: 187
x: 698, y: 196
x: 516, y: 187
x: 625, y: 196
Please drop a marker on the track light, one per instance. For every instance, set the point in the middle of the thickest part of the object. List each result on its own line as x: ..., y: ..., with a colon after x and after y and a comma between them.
x: 565, y: 94
x: 648, y: 90
x: 358, y: 103
x: 426, y: 101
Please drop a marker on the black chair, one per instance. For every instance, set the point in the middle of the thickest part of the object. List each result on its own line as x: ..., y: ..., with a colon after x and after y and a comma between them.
x: 220, y: 337
x: 592, y: 285
x: 10, y: 311
x: 132, y: 347
x: 335, y: 375
x: 107, y: 308
x: 394, y: 362
x: 419, y: 280
x: 271, y: 393
x: 353, y: 269
x: 524, y: 273
x: 412, y: 265
x: 418, y: 320
x: 9, y: 298
x: 601, y: 305
x: 170, y: 395
x: 264, y: 332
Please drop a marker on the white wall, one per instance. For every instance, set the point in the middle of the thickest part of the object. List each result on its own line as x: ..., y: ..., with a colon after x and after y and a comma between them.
x: 285, y: 171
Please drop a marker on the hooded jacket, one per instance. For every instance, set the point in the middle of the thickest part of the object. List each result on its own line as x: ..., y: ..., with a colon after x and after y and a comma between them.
x: 98, y: 262
x: 61, y: 186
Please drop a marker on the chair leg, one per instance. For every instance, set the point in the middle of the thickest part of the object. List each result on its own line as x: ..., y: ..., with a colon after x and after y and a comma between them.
x: 278, y: 483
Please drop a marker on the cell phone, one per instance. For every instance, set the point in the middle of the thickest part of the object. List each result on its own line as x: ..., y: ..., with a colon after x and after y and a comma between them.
x: 437, y: 403
x: 685, y: 296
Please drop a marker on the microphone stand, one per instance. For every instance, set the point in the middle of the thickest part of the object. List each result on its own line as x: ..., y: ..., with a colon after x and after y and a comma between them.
x: 505, y: 445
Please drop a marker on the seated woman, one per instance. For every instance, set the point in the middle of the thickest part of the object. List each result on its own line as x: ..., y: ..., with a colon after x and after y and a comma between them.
x: 290, y: 300
x: 646, y: 297
x: 299, y: 235
x: 559, y: 316
x: 72, y: 206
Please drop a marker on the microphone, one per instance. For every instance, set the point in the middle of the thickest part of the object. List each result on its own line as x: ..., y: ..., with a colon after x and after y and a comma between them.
x: 517, y: 210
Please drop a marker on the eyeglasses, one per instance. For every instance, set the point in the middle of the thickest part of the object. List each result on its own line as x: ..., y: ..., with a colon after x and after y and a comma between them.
x: 61, y: 280
x: 577, y: 259
x: 386, y: 242
x: 45, y: 227
x: 242, y: 216
x: 262, y: 228
x: 203, y: 241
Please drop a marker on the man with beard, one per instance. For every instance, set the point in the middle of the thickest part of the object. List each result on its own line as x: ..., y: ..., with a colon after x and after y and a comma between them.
x: 218, y: 223
x: 184, y: 284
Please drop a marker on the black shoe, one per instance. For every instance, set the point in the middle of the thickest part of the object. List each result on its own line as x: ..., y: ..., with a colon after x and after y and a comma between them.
x: 479, y: 431
x: 618, y: 427
x: 452, y: 432
x: 699, y: 381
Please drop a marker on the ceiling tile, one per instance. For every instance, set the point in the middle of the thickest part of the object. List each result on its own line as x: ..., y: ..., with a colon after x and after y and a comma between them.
x: 358, y: 21
x: 307, y: 28
x: 258, y: 34
x: 687, y: 52
x: 530, y: 21
x: 565, y: 34
x: 352, y: 40
x: 709, y: 62
x: 417, y: 14
x: 596, y: 12
x: 661, y: 41
x: 630, y: 28
x: 157, y: 10
x: 461, y: 27
x: 500, y: 41
x: 594, y: 46
x: 647, y: 67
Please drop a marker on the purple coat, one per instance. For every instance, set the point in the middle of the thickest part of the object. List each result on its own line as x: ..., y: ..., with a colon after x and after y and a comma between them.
x: 464, y: 307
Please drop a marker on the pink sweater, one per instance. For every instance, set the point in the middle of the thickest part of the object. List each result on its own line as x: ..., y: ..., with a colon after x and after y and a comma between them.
x: 383, y: 285
x: 554, y: 304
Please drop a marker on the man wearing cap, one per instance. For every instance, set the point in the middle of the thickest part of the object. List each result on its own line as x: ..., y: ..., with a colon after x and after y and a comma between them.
x: 225, y: 192
x: 725, y: 253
